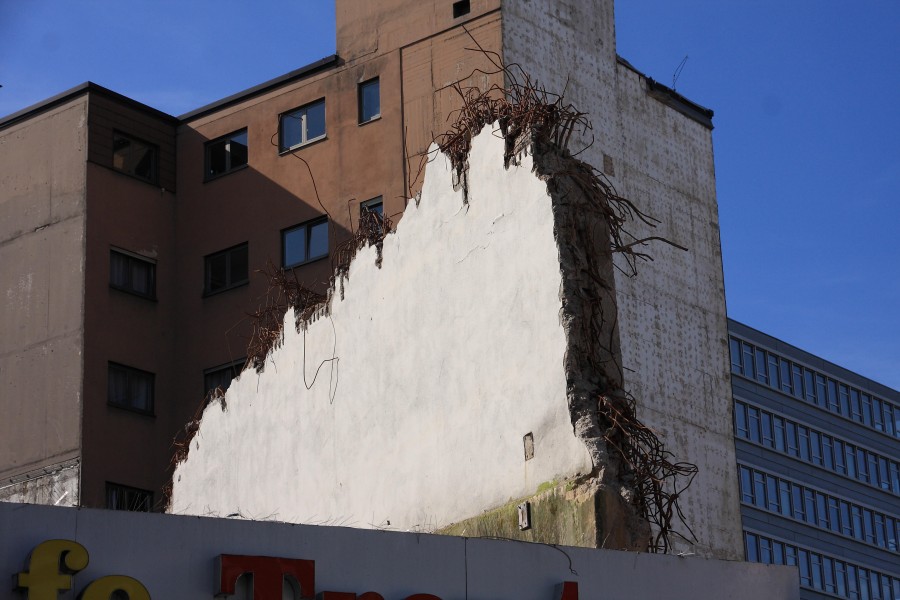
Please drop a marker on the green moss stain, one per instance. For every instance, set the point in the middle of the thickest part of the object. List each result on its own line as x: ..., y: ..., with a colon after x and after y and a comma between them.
x: 547, y: 485
x: 558, y: 516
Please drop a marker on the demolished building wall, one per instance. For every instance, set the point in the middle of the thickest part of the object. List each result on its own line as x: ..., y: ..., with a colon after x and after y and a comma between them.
x: 406, y: 403
x: 671, y: 317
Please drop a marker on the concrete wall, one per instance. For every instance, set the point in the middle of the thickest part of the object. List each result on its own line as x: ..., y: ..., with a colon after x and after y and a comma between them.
x: 431, y: 67
x: 174, y: 557
x: 57, y: 484
x: 406, y: 407
x: 42, y: 224
x: 365, y: 28
x: 672, y: 315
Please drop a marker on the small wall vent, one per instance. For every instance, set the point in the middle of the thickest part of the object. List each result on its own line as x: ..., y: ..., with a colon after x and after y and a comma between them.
x: 524, y: 511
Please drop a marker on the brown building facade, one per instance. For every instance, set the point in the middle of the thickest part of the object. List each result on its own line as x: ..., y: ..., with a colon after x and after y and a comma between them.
x: 128, y: 251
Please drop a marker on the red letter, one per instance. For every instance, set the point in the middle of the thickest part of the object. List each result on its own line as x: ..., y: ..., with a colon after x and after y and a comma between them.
x: 567, y: 590
x: 268, y: 575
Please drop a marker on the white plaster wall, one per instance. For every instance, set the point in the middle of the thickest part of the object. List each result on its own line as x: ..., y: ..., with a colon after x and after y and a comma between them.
x: 672, y: 325
x: 443, y: 360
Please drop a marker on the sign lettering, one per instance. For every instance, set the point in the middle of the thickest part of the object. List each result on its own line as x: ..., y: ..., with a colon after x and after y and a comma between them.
x: 52, y: 565
x: 268, y: 574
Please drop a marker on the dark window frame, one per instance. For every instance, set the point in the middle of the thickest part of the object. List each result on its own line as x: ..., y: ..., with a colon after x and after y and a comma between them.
x: 129, y: 288
x: 154, y: 153
x: 373, y: 205
x: 229, y: 284
x: 307, y: 226
x: 134, y: 499
x: 229, y: 167
x: 235, y: 367
x: 301, y: 112
x: 360, y: 100
x: 130, y: 372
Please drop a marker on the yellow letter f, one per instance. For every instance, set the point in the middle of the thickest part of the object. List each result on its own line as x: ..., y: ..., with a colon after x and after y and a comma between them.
x: 50, y: 569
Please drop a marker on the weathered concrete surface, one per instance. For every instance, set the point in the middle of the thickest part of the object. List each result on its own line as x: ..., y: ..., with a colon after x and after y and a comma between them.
x: 56, y: 484
x: 572, y: 513
x: 671, y: 317
x: 407, y: 405
x: 561, y: 513
x: 42, y: 223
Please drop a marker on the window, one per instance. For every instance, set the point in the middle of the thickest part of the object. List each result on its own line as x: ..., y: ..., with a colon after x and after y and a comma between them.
x: 302, y: 126
x: 130, y: 388
x: 735, y: 347
x: 375, y: 207
x: 761, y: 374
x: 751, y: 550
x: 135, y: 157
x: 797, y: 370
x: 808, y: 382
x: 746, y: 485
x: 784, y: 489
x: 132, y: 273
x: 753, y: 423
x: 461, y: 8
x: 790, y: 429
x: 226, y: 154
x: 221, y: 376
x: 740, y: 420
x: 767, y: 434
x: 759, y: 489
x: 786, y: 381
x: 773, y: 371
x: 748, y: 360
x: 779, y: 434
x: 772, y: 496
x: 122, y: 497
x: 227, y: 269
x: 369, y: 101
x: 304, y: 243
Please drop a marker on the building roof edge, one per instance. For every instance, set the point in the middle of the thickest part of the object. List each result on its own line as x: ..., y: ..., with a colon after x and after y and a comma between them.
x: 673, y: 99
x: 310, y: 69
x: 759, y: 336
x: 88, y: 87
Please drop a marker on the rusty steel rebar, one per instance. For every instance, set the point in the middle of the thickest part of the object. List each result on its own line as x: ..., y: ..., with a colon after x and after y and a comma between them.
x: 527, y: 114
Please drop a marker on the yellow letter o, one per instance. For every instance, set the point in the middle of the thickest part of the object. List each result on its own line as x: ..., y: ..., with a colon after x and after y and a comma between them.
x: 102, y: 589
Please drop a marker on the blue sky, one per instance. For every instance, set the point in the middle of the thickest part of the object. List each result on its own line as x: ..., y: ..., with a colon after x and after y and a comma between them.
x: 807, y: 136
